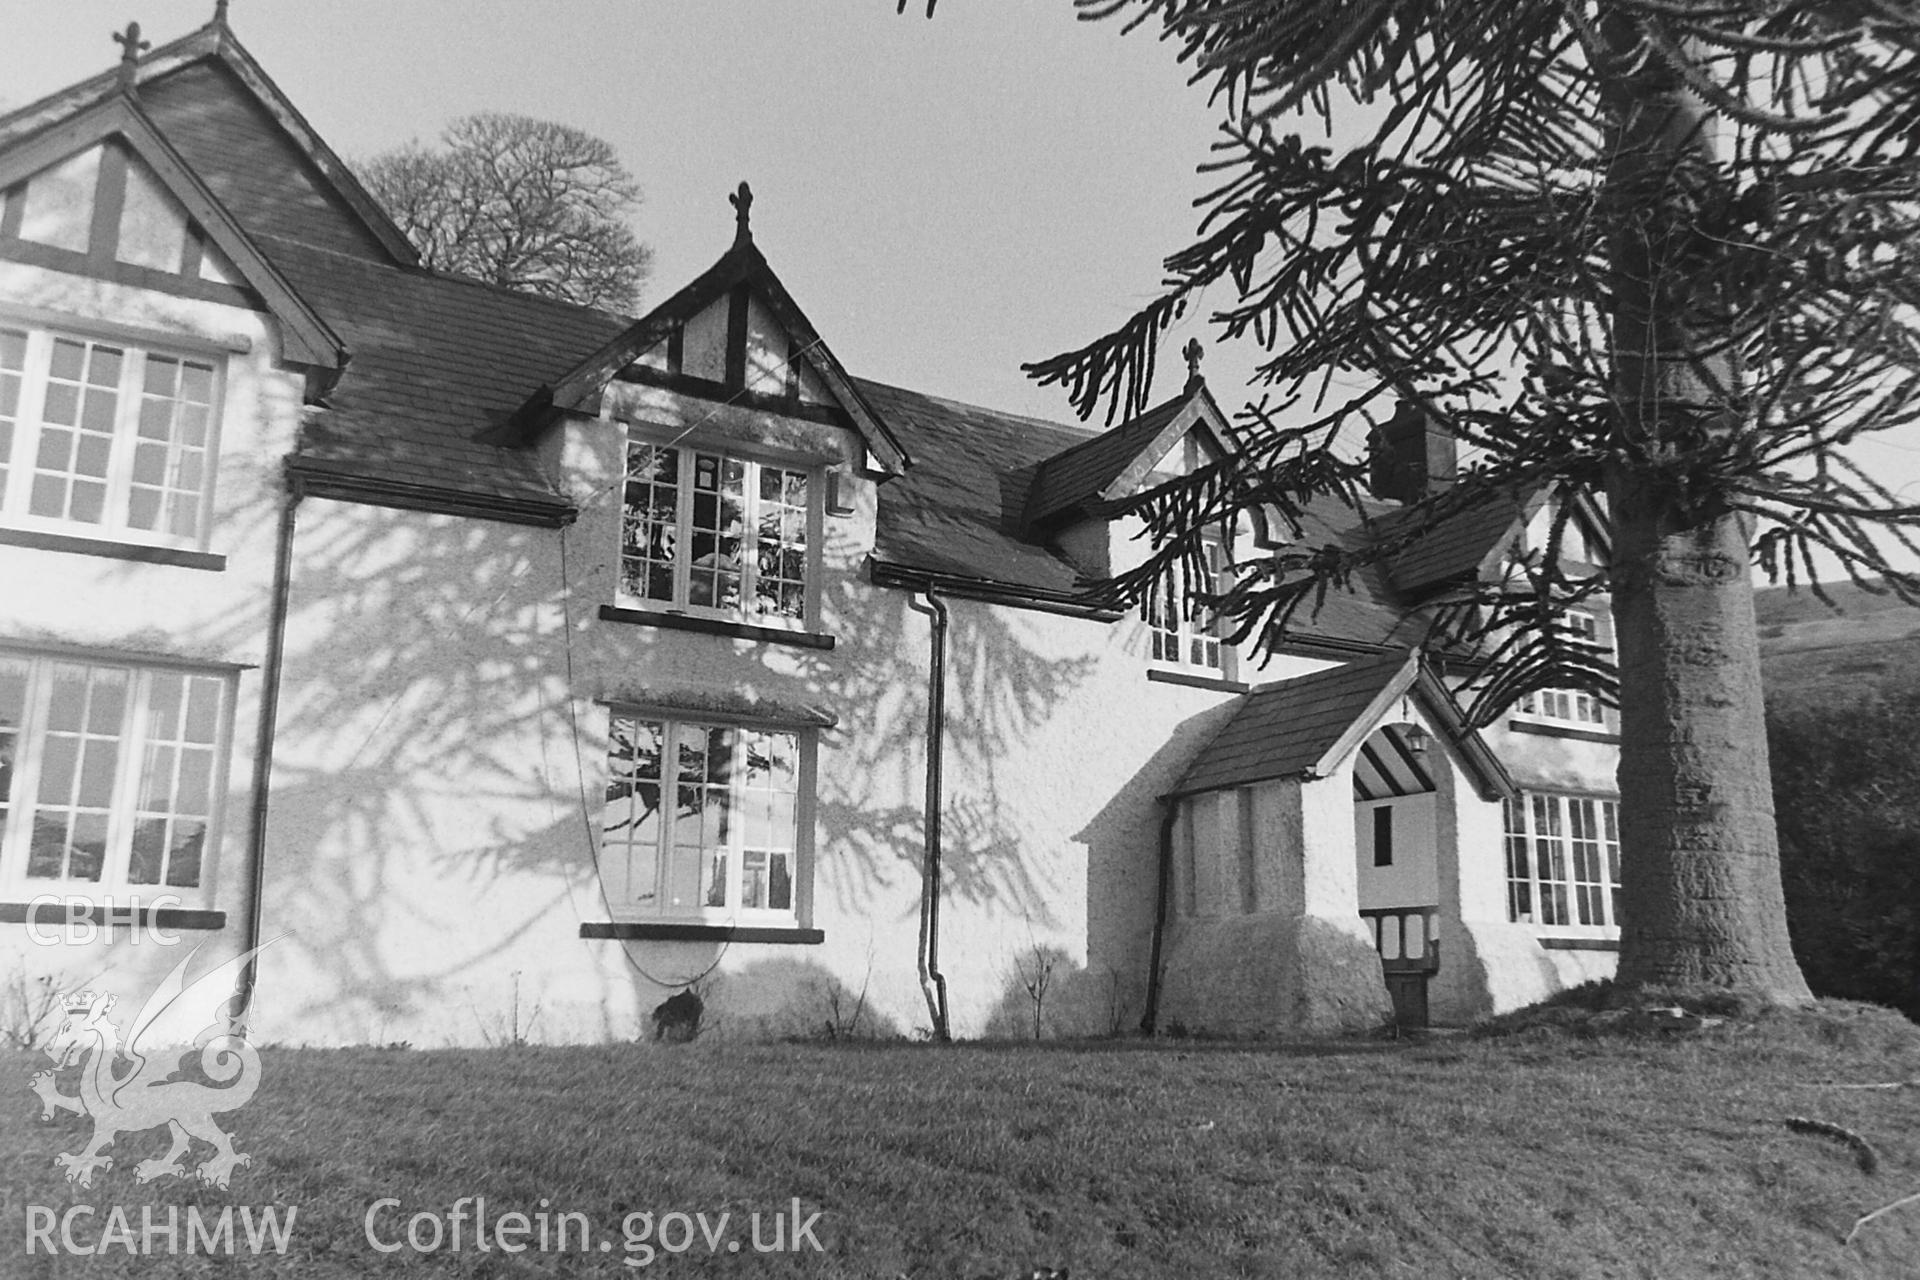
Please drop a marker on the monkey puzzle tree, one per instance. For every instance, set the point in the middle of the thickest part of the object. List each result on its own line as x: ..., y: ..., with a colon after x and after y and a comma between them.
x: 1656, y: 251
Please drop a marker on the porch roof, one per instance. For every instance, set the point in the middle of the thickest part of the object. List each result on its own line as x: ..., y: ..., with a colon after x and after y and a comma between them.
x: 1304, y: 727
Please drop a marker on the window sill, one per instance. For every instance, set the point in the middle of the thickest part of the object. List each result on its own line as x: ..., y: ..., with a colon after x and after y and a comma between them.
x: 1220, y: 684
x: 59, y: 913
x: 666, y: 932
x: 140, y: 551
x: 1562, y: 731
x: 715, y: 627
x: 1580, y: 944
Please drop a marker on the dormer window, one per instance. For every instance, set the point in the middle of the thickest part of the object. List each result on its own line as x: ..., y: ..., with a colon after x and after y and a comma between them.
x: 1185, y: 634
x: 713, y: 532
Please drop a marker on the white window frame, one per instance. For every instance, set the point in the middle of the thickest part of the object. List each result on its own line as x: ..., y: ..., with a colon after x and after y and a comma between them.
x: 688, y: 454
x: 138, y: 742
x: 1572, y: 707
x: 1563, y: 861
x: 634, y: 895
x: 1183, y: 635
x: 29, y: 424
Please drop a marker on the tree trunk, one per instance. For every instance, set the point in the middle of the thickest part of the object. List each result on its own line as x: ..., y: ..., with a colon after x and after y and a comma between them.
x: 1701, y: 897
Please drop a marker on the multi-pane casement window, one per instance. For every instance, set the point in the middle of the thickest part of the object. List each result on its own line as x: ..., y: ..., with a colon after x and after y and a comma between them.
x: 707, y: 531
x: 105, y: 437
x: 703, y: 821
x: 1184, y: 632
x: 1570, y: 706
x: 111, y: 775
x: 1563, y: 860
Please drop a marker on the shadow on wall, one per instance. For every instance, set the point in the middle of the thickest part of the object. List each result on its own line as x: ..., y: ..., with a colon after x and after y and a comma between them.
x: 1000, y: 692
x: 1123, y: 862
x: 431, y: 832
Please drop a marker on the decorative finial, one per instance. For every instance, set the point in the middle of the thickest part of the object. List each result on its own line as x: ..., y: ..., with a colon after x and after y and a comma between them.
x: 742, y: 202
x: 1193, y: 351
x: 220, y: 12
x: 131, y: 47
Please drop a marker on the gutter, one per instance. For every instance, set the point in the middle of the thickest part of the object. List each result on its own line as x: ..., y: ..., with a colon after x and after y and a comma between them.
x: 321, y: 482
x: 987, y: 590
x: 269, y: 721
x: 933, y: 983
x: 1150, y: 1019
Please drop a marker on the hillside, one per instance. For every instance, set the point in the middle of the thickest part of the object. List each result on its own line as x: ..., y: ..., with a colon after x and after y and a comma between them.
x: 1811, y: 653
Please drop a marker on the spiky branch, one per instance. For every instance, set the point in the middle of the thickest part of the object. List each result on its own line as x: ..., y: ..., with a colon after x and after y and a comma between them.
x: 1465, y: 258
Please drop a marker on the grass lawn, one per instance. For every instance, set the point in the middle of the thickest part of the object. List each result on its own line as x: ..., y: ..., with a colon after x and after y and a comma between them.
x: 1530, y: 1156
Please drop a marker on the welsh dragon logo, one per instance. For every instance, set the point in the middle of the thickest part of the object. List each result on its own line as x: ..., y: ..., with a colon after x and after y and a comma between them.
x: 126, y: 1091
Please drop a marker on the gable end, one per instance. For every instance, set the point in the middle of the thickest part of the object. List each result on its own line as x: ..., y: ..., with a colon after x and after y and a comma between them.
x: 119, y: 123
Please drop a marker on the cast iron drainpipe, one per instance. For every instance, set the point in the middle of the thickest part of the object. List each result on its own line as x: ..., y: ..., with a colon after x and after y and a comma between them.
x: 933, y: 983
x: 1149, y: 1021
x: 269, y: 718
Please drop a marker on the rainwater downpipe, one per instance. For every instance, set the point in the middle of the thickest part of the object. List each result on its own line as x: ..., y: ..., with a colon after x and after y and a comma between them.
x: 933, y: 983
x: 1170, y: 813
x: 269, y: 719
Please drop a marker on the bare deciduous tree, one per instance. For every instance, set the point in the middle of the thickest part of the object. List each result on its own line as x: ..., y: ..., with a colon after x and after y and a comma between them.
x: 524, y: 203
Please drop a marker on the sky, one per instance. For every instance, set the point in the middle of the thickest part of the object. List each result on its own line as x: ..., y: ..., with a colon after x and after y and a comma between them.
x: 945, y: 199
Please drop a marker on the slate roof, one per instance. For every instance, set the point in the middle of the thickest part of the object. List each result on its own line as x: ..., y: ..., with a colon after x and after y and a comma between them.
x: 1287, y: 730
x: 1282, y: 730
x: 1457, y: 546
x: 436, y: 362
x: 1078, y: 475
x: 439, y: 366
x: 1372, y: 613
x: 250, y: 163
x: 253, y: 147
x: 960, y: 511
x: 959, y: 508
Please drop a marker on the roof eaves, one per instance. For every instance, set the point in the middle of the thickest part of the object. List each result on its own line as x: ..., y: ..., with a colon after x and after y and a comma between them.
x: 741, y: 264
x: 585, y: 380
x: 880, y: 440
x: 886, y: 573
x: 1198, y: 409
x: 316, y: 478
x: 1491, y: 776
x: 1044, y: 506
x: 1363, y: 724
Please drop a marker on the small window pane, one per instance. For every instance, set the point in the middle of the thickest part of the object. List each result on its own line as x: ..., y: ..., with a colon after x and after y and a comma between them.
x: 149, y: 854
x: 183, y: 857
x: 203, y: 709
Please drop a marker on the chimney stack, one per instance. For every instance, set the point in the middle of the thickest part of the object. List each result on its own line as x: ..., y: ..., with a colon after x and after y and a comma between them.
x: 1409, y: 457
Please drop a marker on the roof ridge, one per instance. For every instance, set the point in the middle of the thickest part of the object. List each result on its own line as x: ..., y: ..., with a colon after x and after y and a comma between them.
x: 1130, y: 424
x: 447, y: 277
x: 1085, y: 433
